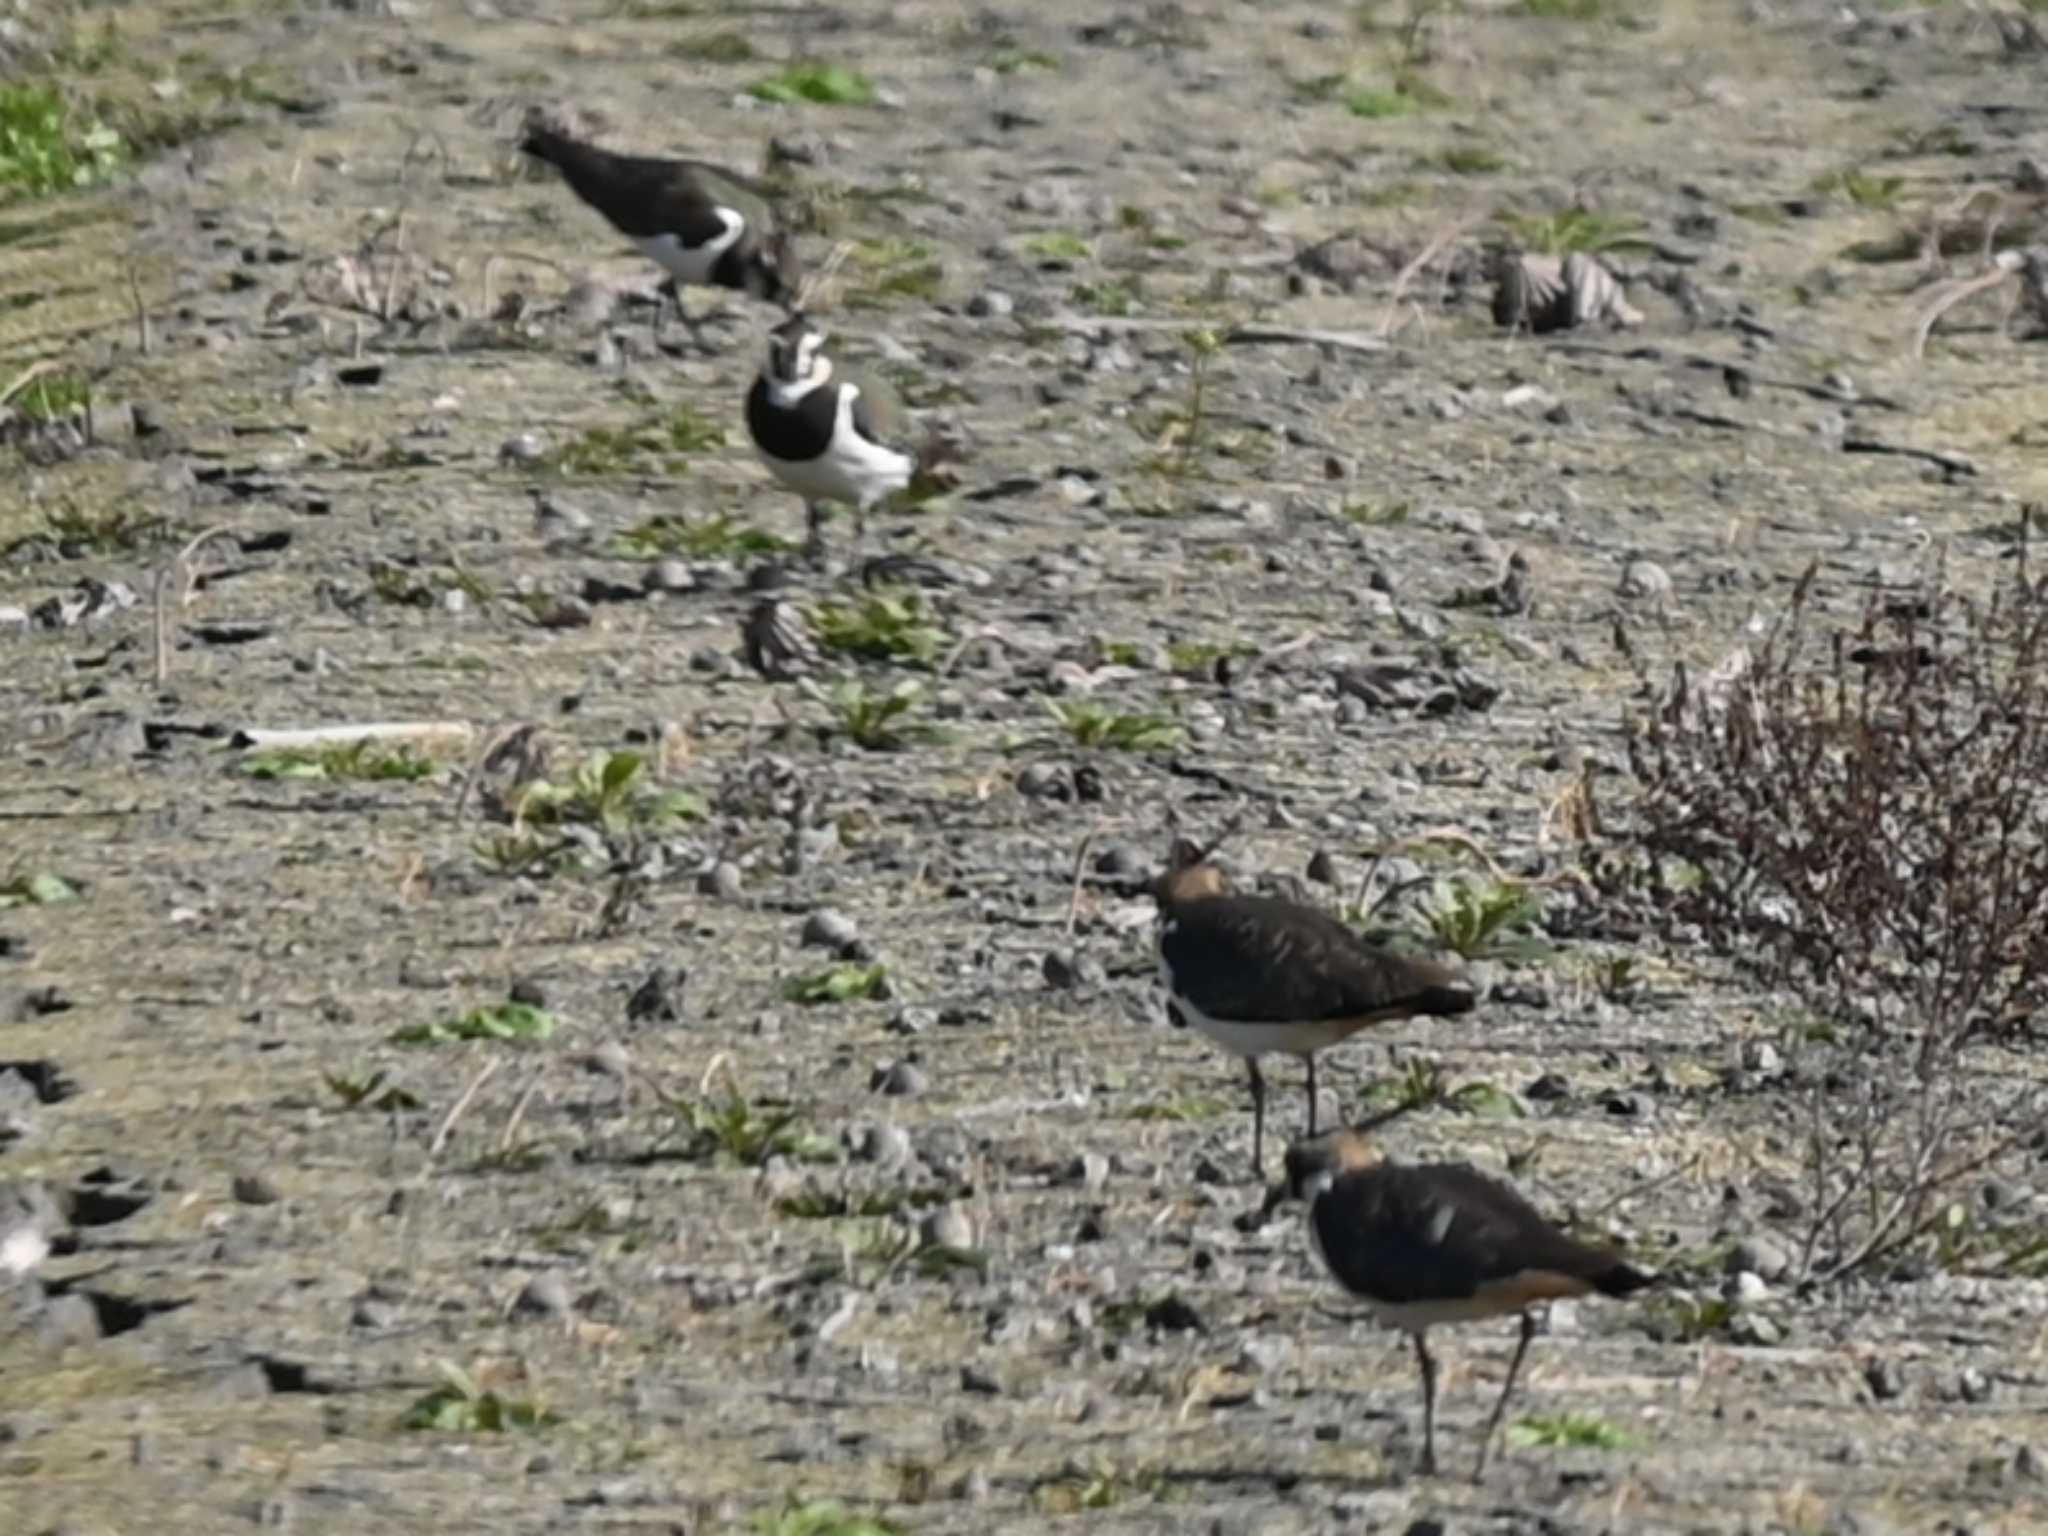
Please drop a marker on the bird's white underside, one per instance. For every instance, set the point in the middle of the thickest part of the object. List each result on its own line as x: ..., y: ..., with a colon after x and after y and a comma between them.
x: 692, y: 264
x: 1254, y: 1039
x: 851, y: 469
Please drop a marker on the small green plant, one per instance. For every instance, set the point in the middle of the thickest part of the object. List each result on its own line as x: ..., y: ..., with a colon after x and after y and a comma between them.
x: 663, y: 442
x: 502, y: 1021
x: 894, y: 269
x: 610, y: 790
x: 593, y: 1220
x: 1184, y: 1109
x: 1472, y: 160
x: 1575, y: 229
x: 54, y: 396
x: 1056, y: 245
x: 1115, y: 297
x: 880, y: 722
x: 1491, y: 920
x: 1569, y: 1430
x: 79, y: 532
x: 1181, y: 433
x: 1102, y: 1486
x: 364, y: 759
x: 361, y: 1092
x: 46, y: 147
x: 1684, y: 1320
x: 1378, y: 514
x: 820, y: 1517
x: 825, y: 85
x: 891, y: 1247
x: 1421, y: 1084
x: 727, y: 47
x: 1566, y: 10
x: 1020, y: 61
x: 735, y: 1128
x: 40, y: 889
x: 845, y: 983
x: 719, y: 536
x: 1865, y: 191
x: 524, y: 851
x: 1095, y: 725
x: 461, y: 1406
x: 887, y: 624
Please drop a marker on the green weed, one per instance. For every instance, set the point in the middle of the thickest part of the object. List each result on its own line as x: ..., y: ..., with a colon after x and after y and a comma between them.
x: 1569, y: 1430
x: 365, y: 759
x: 460, y: 1406
x: 844, y: 983
x: 880, y: 722
x: 1095, y: 725
x: 820, y: 1517
x: 663, y: 442
x: 611, y: 790
x: 1421, y: 1085
x: 714, y: 48
x: 1056, y: 245
x: 827, y: 85
x: 719, y: 536
x: 1472, y: 160
x: 46, y: 147
x: 1575, y: 229
x: 885, y: 625
x: 1486, y: 921
x: 737, y: 1129
x: 363, y: 1092
x: 1865, y: 191
x: 502, y: 1021
x: 894, y: 269
x: 40, y: 889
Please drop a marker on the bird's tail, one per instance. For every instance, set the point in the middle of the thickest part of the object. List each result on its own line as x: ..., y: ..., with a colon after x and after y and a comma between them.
x: 1620, y: 1279
x: 1443, y: 1001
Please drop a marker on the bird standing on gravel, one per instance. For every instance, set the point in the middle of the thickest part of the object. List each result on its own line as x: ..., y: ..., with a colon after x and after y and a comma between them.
x: 1258, y: 974
x: 1439, y: 1243
x: 828, y: 434
x: 704, y: 225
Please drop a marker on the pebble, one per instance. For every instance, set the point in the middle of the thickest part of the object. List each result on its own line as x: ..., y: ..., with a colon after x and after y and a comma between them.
x: 886, y: 1146
x: 1090, y: 1170
x: 1884, y: 1380
x: 1647, y: 579
x: 545, y: 1295
x: 1973, y: 1385
x: 828, y: 928
x: 991, y: 304
x: 1746, y: 1288
x: 255, y: 1189
x: 1754, y: 1328
x: 947, y: 1227
x: 721, y: 881
x: 1760, y: 1255
x: 610, y: 1059
x: 897, y: 1080
x: 1059, y: 970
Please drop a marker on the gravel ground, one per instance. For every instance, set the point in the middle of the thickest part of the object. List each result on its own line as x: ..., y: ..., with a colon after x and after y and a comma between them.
x: 994, y: 1275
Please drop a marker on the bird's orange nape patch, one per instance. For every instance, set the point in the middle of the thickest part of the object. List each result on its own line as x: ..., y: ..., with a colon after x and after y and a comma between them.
x: 1530, y: 1286
x: 1196, y: 882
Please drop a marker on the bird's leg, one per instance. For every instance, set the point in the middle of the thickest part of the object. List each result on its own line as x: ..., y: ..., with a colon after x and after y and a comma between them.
x: 814, y: 535
x: 694, y: 324
x: 1427, y: 1361
x: 1309, y: 1061
x: 1501, y: 1407
x: 1251, y: 1066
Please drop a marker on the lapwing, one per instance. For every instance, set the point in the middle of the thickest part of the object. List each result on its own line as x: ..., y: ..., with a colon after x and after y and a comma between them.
x: 828, y: 434
x: 1437, y: 1243
x: 704, y: 225
x: 1258, y: 974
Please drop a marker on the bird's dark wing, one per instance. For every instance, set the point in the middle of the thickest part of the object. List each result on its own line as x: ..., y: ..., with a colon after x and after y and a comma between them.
x: 1259, y: 961
x: 877, y: 414
x: 1447, y: 1231
x: 646, y: 195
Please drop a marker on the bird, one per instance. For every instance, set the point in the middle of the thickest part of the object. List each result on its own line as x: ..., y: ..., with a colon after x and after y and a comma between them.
x: 1258, y: 974
x: 1436, y: 1243
x: 703, y: 224
x: 829, y: 434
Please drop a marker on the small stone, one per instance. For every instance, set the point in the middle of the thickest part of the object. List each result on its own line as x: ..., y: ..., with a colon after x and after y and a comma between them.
x: 668, y: 575
x: 979, y: 1382
x: 947, y: 1226
x: 1548, y: 1088
x: 991, y: 304
x: 1043, y: 781
x: 897, y: 1080
x: 913, y: 1020
x: 657, y: 1000
x: 1754, y: 1328
x: 1746, y: 1288
x: 2026, y: 1466
x: 545, y: 1295
x: 1059, y: 970
x: 1322, y: 869
x: 527, y: 992
x: 1974, y: 1385
x: 69, y: 1320
x: 886, y: 1146
x: 371, y: 1314
x: 1761, y: 1255
x: 523, y: 448
x: 722, y: 881
x: 255, y: 1189
x: 1090, y: 1170
x: 828, y: 929
x: 1884, y: 1380
x: 1762, y: 1057
x: 610, y: 1059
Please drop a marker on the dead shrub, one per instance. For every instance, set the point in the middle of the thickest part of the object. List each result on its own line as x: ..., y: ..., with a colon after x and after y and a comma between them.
x: 1861, y: 817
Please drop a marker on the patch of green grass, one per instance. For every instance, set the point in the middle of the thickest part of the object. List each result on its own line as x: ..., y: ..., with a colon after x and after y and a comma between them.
x: 888, y: 624
x: 40, y: 889
x: 1378, y: 514
x: 1407, y: 93
x: 1490, y: 920
x: 719, y: 536
x: 1113, y: 297
x: 1056, y: 245
x: 1575, y: 229
x: 1103, y: 1486
x: 47, y: 147
x: 824, y: 1205
x: 661, y: 443
x: 1472, y: 160
x: 80, y: 532
x: 366, y: 759
x: 362, y: 1092
x: 845, y: 983
x: 1182, y: 1110
x: 1579, y: 1431
x: 1019, y: 61
x: 878, y: 721
x: 821, y: 84
x: 594, y: 1219
x: 500, y: 1021
x: 1864, y: 190
x: 727, y: 47
x: 611, y: 790
x: 1760, y: 213
x: 894, y: 269
x: 820, y: 1517
x: 54, y: 396
x: 1566, y: 10
x: 460, y: 1406
x: 1090, y: 724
